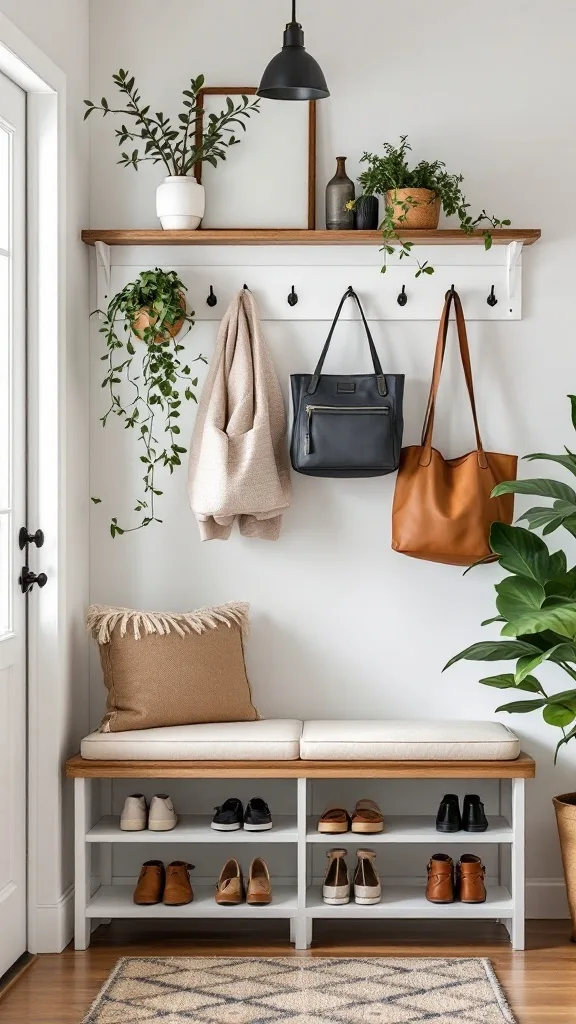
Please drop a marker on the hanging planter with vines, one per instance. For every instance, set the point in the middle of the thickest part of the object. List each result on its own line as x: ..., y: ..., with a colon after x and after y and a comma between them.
x: 151, y: 311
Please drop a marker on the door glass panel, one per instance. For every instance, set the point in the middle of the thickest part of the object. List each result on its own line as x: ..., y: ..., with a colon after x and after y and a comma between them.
x: 5, y: 186
x: 6, y: 574
x: 5, y: 385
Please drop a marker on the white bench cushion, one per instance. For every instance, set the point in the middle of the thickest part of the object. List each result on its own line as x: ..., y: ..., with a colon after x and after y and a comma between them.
x: 408, y: 741
x: 271, y: 740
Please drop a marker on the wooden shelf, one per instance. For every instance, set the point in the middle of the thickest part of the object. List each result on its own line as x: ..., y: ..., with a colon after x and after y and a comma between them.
x: 255, y: 236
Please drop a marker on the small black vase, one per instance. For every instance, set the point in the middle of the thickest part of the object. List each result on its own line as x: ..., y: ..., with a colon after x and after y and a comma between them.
x: 367, y: 209
x: 339, y: 191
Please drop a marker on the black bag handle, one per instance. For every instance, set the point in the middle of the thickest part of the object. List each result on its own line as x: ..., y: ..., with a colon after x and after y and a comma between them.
x: 380, y: 378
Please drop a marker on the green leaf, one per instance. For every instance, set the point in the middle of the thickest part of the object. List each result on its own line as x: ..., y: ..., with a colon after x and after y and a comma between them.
x: 544, y: 488
x: 526, y: 665
x: 563, y: 741
x: 96, y: 501
x: 573, y: 409
x: 522, y: 707
x: 494, y: 650
x: 568, y: 461
x: 561, y: 619
x: 518, y: 595
x: 556, y: 714
x: 495, y: 618
x: 520, y: 551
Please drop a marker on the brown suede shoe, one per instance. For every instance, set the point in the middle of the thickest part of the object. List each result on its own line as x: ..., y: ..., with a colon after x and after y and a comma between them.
x: 230, y: 887
x: 259, y: 892
x: 470, y: 875
x: 150, y: 885
x: 178, y: 890
x: 440, y: 888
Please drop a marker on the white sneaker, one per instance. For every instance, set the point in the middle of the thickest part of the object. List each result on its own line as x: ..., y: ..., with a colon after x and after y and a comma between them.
x: 134, y: 814
x: 162, y: 817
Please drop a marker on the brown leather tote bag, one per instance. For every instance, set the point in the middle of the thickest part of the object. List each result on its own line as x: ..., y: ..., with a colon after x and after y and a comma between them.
x: 442, y: 509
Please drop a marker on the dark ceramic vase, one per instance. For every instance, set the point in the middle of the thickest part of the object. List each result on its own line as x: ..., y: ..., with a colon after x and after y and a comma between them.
x: 367, y: 209
x: 339, y: 191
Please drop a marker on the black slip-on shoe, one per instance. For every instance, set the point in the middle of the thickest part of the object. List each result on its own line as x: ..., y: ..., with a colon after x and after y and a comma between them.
x: 257, y: 817
x: 228, y: 817
x: 448, y: 818
x: 473, y: 816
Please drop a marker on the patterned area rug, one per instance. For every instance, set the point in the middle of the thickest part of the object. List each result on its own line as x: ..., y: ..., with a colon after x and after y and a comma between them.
x: 301, y: 990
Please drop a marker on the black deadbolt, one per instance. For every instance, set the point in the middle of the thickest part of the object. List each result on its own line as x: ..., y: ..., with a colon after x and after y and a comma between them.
x: 29, y: 578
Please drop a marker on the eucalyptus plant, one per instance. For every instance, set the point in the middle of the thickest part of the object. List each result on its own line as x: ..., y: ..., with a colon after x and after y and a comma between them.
x: 178, y: 145
x: 393, y: 171
x: 536, y: 603
x: 148, y: 313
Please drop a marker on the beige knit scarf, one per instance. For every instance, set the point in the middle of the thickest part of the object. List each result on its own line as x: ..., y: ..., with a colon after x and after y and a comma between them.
x: 239, y: 465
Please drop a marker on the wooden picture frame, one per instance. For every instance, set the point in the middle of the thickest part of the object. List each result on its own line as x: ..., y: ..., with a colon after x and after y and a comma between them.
x: 309, y: 170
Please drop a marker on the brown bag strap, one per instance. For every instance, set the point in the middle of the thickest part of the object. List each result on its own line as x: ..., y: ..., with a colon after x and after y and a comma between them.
x: 428, y: 428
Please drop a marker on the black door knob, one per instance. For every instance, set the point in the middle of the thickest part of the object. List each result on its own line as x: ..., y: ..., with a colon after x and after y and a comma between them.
x: 25, y: 538
x: 29, y: 578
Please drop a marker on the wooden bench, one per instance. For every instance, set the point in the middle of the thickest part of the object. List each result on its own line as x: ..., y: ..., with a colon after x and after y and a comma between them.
x: 301, y: 903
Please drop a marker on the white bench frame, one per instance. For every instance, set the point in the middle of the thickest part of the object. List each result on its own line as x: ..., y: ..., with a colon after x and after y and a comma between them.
x: 303, y: 905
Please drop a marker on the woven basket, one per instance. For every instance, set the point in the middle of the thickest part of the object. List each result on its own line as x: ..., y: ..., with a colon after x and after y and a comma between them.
x: 145, y: 319
x: 423, y: 216
x: 565, y: 807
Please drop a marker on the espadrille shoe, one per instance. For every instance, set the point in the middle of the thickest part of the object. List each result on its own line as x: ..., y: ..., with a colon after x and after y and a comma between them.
x: 336, y: 888
x: 367, y: 887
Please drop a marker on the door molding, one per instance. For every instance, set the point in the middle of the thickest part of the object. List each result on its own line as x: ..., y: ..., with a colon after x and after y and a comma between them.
x: 48, y: 669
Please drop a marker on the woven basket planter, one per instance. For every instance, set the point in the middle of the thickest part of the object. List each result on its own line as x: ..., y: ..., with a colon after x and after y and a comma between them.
x: 565, y: 807
x: 145, y: 319
x: 424, y: 208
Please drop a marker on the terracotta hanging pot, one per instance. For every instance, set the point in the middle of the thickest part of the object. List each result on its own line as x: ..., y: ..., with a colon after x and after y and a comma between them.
x: 565, y: 807
x: 424, y: 208
x: 146, y: 319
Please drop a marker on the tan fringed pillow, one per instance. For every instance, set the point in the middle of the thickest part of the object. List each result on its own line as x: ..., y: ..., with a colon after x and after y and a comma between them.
x: 165, y: 668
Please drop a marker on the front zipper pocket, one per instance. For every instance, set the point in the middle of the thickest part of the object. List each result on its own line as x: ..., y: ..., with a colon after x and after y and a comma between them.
x: 361, y: 410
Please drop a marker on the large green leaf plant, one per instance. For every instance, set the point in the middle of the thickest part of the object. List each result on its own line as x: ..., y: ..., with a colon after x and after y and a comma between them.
x: 536, y: 602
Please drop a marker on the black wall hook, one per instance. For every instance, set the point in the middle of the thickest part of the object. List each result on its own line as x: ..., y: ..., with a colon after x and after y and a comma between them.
x: 492, y: 300
x: 211, y: 300
x: 292, y: 298
x: 402, y: 298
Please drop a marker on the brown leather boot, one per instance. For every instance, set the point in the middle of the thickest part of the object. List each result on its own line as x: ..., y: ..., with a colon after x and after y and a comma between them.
x: 440, y: 888
x: 150, y: 885
x: 178, y: 890
x: 470, y: 875
x: 259, y: 891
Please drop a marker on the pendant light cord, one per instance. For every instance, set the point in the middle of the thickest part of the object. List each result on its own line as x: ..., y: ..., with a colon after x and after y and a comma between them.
x: 293, y: 12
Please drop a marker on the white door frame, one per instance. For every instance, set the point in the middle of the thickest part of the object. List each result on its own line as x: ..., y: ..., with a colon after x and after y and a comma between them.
x: 45, y: 85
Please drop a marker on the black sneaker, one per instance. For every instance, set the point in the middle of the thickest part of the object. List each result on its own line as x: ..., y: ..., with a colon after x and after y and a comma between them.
x: 448, y: 818
x: 473, y: 816
x: 257, y: 817
x: 228, y: 817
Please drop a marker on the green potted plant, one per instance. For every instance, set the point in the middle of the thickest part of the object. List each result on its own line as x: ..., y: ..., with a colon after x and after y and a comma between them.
x: 179, y: 145
x: 414, y: 196
x: 536, y: 607
x: 146, y: 378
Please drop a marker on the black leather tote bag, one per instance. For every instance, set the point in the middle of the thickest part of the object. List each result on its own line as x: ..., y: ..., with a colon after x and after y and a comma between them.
x: 347, y: 426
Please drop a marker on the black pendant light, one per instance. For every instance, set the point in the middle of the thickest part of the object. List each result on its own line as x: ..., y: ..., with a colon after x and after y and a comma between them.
x: 293, y: 74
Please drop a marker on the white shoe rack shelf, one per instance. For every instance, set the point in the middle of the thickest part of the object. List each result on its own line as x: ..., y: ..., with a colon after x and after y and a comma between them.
x: 301, y: 902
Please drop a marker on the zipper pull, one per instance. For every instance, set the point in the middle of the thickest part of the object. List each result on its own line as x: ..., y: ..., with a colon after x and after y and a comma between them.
x: 307, y: 439
x: 307, y: 444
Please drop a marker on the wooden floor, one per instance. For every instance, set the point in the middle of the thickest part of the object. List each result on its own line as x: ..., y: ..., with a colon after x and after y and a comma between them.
x: 540, y: 983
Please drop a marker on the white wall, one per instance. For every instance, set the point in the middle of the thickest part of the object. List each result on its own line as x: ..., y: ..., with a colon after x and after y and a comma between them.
x: 344, y: 627
x: 60, y: 30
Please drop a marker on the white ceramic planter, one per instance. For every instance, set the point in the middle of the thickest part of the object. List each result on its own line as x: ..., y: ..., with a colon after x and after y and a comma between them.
x: 180, y: 203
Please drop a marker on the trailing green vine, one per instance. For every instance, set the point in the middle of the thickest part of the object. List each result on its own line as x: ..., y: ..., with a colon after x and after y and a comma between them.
x: 152, y: 311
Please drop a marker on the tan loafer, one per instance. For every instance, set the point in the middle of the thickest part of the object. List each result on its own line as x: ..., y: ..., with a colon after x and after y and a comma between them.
x: 259, y: 891
x: 334, y: 820
x: 367, y: 885
x: 367, y: 817
x: 336, y: 888
x: 150, y: 885
x: 178, y: 890
x: 230, y: 886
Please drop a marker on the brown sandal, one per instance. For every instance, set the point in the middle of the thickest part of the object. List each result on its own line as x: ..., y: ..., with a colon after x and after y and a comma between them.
x: 367, y: 817
x: 334, y: 820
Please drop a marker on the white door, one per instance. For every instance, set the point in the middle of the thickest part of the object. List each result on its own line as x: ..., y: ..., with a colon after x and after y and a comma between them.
x: 13, y: 753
